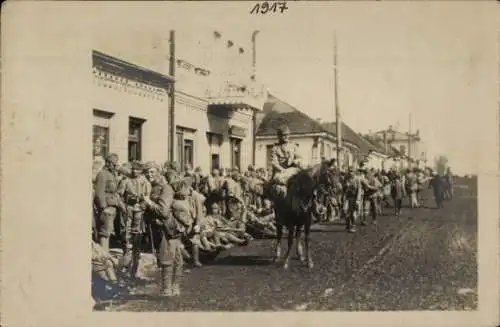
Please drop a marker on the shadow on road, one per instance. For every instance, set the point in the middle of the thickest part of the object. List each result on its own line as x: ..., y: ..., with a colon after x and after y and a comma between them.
x: 242, y: 260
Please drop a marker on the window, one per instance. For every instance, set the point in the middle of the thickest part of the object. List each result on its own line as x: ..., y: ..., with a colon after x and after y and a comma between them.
x: 180, y: 149
x: 135, y: 139
x: 347, y: 159
x: 100, y: 140
x: 185, y: 146
x: 235, y: 153
x: 100, y: 133
x: 215, y: 162
x: 188, y: 153
x: 214, y: 143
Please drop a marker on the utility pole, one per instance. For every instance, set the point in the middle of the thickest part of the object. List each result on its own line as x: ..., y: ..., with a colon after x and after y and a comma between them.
x: 254, y: 79
x: 337, y: 109
x: 171, y: 116
x: 409, y: 140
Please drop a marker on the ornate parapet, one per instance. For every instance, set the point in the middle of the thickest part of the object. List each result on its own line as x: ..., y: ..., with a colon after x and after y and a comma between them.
x: 252, y: 95
x: 121, y: 76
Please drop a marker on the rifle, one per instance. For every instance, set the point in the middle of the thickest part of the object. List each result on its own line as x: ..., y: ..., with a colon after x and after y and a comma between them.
x: 153, y: 251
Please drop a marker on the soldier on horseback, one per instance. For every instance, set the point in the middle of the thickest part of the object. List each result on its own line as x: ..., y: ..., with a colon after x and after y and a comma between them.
x: 285, y: 161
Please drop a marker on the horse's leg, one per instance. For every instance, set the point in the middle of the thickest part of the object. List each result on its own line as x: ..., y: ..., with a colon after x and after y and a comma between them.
x: 277, y: 245
x: 307, y: 232
x: 300, y: 248
x: 291, y: 232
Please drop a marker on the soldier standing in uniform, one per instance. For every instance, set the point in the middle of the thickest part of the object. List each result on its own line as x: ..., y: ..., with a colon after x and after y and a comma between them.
x: 350, y: 202
x: 398, y: 192
x: 412, y: 188
x: 438, y: 188
x: 167, y: 241
x: 133, y: 190
x: 107, y: 200
x: 449, y: 184
x: 196, y: 201
x: 370, y: 189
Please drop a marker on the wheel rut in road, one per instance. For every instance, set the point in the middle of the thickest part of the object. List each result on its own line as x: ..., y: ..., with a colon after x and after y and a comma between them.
x: 359, y: 272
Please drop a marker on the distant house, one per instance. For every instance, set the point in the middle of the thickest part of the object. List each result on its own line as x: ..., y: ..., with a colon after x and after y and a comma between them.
x: 315, y: 140
x: 377, y: 157
x: 390, y: 137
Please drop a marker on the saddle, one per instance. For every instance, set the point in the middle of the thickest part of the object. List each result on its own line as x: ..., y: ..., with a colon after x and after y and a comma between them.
x: 282, y: 177
x: 279, y: 183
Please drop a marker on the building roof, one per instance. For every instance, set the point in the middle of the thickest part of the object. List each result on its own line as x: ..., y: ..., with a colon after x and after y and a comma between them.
x: 122, y: 68
x: 348, y: 134
x: 379, y: 147
x: 278, y: 112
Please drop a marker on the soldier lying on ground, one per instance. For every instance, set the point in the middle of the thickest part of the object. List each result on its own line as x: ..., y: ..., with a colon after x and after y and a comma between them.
x: 262, y: 219
x: 211, y: 238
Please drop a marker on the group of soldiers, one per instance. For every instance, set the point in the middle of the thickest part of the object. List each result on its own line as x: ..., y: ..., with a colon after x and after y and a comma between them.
x: 356, y: 194
x: 173, y: 212
x: 176, y: 212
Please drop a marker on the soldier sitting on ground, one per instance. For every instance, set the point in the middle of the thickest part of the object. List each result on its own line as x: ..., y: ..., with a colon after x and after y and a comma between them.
x: 105, y: 285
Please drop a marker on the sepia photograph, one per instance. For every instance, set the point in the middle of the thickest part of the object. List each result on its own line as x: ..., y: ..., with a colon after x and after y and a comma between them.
x: 270, y: 156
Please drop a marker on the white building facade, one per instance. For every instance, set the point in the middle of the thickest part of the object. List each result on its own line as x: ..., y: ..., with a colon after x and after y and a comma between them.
x: 215, y: 99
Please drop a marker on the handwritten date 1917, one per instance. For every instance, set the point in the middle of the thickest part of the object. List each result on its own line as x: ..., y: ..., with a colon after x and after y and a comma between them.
x: 269, y: 7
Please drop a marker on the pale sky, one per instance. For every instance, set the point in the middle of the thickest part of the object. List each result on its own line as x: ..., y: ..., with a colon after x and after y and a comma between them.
x: 437, y: 60
x: 435, y: 64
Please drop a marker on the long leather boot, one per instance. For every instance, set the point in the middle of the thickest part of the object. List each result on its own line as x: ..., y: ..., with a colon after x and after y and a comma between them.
x: 176, y: 284
x: 104, y: 243
x: 196, y: 256
x: 136, y: 257
x: 166, y: 281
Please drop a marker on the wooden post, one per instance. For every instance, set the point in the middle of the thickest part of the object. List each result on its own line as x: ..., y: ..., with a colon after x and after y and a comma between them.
x: 338, y: 121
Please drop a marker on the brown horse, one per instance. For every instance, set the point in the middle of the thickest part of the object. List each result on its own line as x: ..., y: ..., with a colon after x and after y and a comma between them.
x: 294, y: 210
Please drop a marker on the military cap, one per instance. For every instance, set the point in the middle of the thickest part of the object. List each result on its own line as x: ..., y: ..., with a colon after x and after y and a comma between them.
x: 125, y: 169
x: 250, y: 168
x: 180, y: 187
x: 283, y: 130
x: 151, y: 165
x: 235, y: 173
x: 171, y: 176
x: 174, y: 165
x: 136, y: 164
x: 198, y: 169
x: 112, y: 157
x: 188, y: 180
